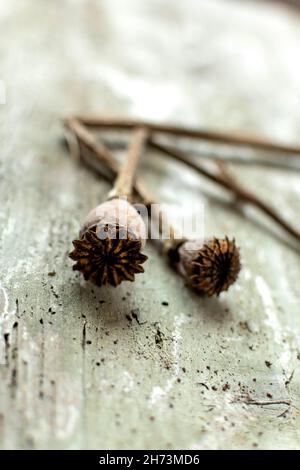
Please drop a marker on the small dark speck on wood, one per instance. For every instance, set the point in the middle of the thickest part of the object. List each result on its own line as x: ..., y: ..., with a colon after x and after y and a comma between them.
x: 159, y: 338
x: 135, y: 314
x: 203, y: 385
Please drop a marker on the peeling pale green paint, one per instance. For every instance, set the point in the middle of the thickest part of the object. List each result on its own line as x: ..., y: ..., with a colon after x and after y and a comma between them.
x: 78, y: 370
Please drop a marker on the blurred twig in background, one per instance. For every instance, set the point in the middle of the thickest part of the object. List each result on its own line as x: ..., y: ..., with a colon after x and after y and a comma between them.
x: 221, y: 176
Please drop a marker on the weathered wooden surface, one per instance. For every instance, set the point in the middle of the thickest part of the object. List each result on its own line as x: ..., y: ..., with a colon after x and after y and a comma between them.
x: 88, y: 368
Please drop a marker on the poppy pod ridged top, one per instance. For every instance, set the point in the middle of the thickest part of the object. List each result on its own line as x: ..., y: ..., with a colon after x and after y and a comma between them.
x: 210, y: 267
x: 110, y: 244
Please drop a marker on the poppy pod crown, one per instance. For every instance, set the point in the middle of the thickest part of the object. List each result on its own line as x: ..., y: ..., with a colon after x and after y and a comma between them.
x: 110, y: 242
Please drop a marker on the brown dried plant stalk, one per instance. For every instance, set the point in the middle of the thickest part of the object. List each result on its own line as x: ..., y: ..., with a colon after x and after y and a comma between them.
x: 210, y: 267
x: 111, y: 239
x: 230, y: 138
x: 224, y: 179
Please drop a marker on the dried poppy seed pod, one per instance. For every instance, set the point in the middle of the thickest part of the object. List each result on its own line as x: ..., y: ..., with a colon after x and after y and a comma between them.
x: 210, y: 267
x: 110, y: 244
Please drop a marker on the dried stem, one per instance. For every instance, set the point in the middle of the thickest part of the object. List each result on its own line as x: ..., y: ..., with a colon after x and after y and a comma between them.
x: 227, y: 181
x: 123, y: 185
x: 86, y: 138
x: 105, y: 157
x: 236, y: 139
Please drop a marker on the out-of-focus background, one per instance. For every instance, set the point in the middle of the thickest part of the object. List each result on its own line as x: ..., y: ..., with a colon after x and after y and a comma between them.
x: 77, y: 369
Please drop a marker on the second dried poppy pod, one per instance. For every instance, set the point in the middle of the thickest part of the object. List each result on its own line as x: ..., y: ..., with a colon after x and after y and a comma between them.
x: 210, y: 267
x: 110, y: 244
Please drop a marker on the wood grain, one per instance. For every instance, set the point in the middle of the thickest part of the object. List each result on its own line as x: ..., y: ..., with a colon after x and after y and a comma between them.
x: 149, y: 364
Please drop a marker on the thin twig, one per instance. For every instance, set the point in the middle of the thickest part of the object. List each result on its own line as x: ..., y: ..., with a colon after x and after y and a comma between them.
x: 73, y: 145
x: 225, y: 180
x: 123, y: 184
x: 104, y: 156
x: 86, y: 138
x: 266, y: 402
x: 284, y: 413
x: 118, y: 142
x: 236, y: 139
